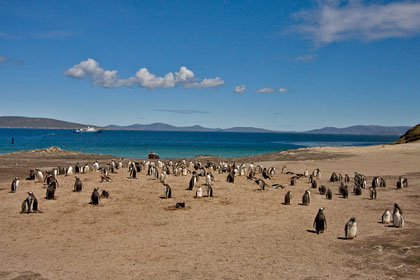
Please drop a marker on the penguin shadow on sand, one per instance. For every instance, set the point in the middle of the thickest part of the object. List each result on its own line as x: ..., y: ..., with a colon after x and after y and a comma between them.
x: 342, y: 238
x: 312, y: 231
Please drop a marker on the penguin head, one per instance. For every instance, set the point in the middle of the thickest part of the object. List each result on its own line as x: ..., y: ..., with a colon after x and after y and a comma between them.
x: 353, y: 219
x: 30, y: 193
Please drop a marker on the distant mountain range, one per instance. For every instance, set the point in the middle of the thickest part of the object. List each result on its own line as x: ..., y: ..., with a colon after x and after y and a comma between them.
x: 363, y: 130
x: 26, y: 122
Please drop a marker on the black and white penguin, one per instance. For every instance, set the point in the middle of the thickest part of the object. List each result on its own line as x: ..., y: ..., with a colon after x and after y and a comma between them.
x: 209, y: 190
x: 31, y: 175
x: 15, y: 184
x: 293, y: 181
x: 50, y: 191
x: 30, y: 204
x: 230, y: 178
x: 320, y: 222
x: 39, y: 175
x: 306, y: 198
x: 372, y: 193
x: 69, y: 171
x: 77, y: 168
x: 386, y: 217
x: 345, y: 192
x: 94, y: 198
x: 329, y: 194
x: 78, y: 185
x: 358, y: 190
x: 288, y: 198
x: 261, y: 184
x: 322, y: 189
x: 314, y: 184
x: 167, y: 190
x: 265, y: 174
x: 350, y: 229
x: 397, y: 218
x: 193, y: 181
x: 199, y: 192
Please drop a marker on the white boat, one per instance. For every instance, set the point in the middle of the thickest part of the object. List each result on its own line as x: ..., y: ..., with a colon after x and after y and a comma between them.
x: 88, y: 130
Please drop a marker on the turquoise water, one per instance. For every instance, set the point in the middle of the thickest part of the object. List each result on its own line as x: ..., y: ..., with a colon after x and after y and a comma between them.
x: 169, y: 144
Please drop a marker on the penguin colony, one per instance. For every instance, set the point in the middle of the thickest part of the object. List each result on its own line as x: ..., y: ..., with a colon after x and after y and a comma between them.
x: 257, y: 173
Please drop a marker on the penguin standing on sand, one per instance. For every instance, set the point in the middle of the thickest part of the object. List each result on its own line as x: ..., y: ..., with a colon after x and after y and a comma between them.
x: 167, y: 190
x: 350, y: 229
x: 386, y: 217
x: 30, y: 204
x: 15, y: 184
x: 329, y: 194
x: 320, y: 222
x: 199, y: 192
x: 94, y: 198
x: 209, y: 190
x: 193, y: 181
x: 287, y: 198
x: 306, y: 198
x: 398, y: 220
x: 78, y: 185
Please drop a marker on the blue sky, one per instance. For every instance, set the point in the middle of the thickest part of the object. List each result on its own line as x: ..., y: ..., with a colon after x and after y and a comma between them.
x: 283, y: 65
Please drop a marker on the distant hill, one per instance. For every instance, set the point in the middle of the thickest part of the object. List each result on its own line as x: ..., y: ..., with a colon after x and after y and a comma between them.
x: 168, y: 127
x: 412, y: 135
x: 25, y: 122
x: 363, y: 130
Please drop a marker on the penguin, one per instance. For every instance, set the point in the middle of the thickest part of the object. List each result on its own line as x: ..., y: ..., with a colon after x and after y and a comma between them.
x: 396, y: 206
x: 261, y: 184
x: 329, y: 194
x: 264, y: 174
x: 276, y: 186
x: 320, y: 222
x: 346, y: 192
x: 77, y: 168
x: 322, y: 189
x: 287, y: 198
x: 30, y: 204
x: 397, y: 218
x: 69, y: 171
x: 105, y: 194
x: 162, y: 177
x: 346, y: 178
x: 358, y: 190
x: 306, y: 198
x: 314, y: 184
x: 192, y: 183
x: 272, y: 171
x: 386, y: 217
x: 341, y: 188
x: 31, y: 175
x: 293, y: 181
x: 15, y: 184
x: 180, y: 205
x: 208, y: 179
x: 167, y: 190
x: 209, y: 190
x: 350, y: 229
x: 230, y: 178
x: 39, y: 175
x: 372, y: 193
x: 50, y: 191
x: 133, y: 171
x: 94, y: 198
x: 306, y: 173
x: 78, y: 185
x: 199, y: 192
x: 96, y: 166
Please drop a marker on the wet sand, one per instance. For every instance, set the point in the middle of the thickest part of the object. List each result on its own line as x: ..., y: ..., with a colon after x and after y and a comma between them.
x: 240, y: 233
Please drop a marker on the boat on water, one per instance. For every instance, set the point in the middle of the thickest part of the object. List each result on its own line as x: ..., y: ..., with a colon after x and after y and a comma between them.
x: 88, y: 130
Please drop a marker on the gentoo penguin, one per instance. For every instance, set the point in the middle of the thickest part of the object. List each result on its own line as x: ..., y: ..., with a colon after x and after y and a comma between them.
x: 199, y: 192
x: 69, y: 171
x: 276, y: 186
x: 350, y: 229
x: 230, y: 178
x: 358, y: 190
x: 77, y: 168
x: 306, y: 173
x: 31, y: 175
x: 272, y: 171
x: 329, y: 194
x: 78, y: 185
x: 94, y: 198
x: 386, y: 217
x: 320, y: 222
x: 264, y: 174
x: 15, y: 184
x: 30, y: 204
x: 346, y: 192
x: 261, y: 184
x: 306, y: 198
x: 162, y: 177
x: 372, y: 193
x: 167, y: 190
x: 322, y: 189
x: 192, y: 183
x: 209, y: 190
x: 39, y: 175
x: 180, y: 205
x: 402, y: 183
x: 293, y: 181
x: 341, y: 188
x: 397, y: 218
x: 96, y: 166
x: 287, y: 198
x: 346, y: 178
x: 50, y: 191
x: 133, y: 171
x: 208, y: 179
x: 105, y: 194
x: 314, y: 184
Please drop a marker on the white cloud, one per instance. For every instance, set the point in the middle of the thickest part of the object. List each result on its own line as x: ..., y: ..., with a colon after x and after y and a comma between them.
x: 283, y: 90
x: 239, y: 89
x: 334, y: 21
x: 265, y: 90
x: 304, y: 58
x: 143, y: 78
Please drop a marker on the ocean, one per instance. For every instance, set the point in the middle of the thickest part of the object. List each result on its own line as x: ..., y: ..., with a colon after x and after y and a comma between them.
x: 171, y: 144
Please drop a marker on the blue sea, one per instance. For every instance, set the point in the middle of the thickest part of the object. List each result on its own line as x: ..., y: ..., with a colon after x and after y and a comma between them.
x: 169, y: 144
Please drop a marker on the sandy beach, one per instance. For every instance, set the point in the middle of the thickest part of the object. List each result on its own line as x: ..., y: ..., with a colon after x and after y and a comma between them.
x: 240, y: 233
